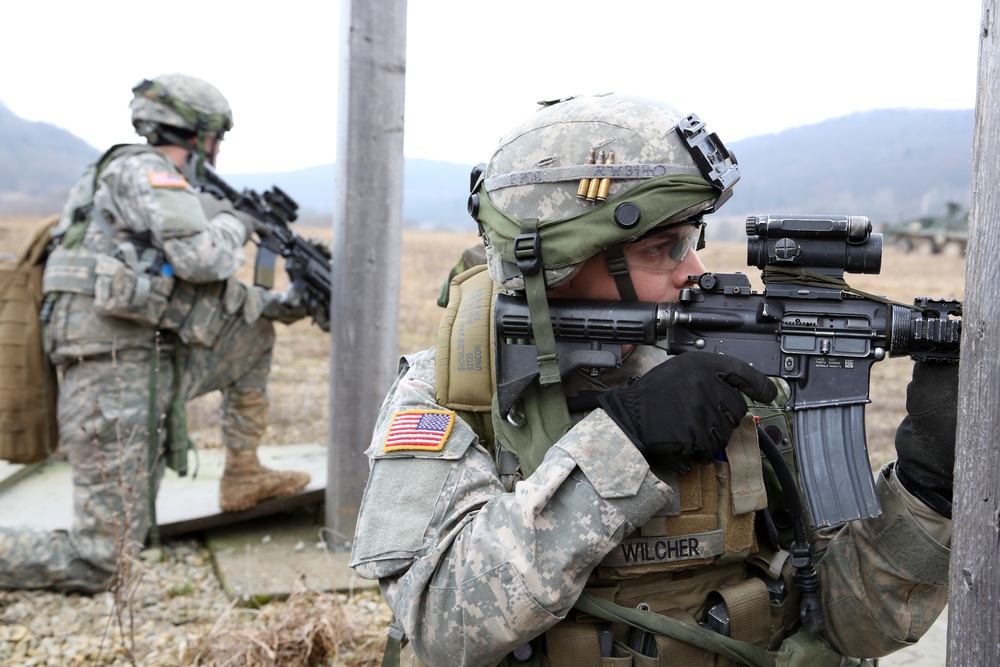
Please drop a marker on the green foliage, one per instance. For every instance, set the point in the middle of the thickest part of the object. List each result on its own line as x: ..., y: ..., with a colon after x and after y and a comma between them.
x: 180, y: 591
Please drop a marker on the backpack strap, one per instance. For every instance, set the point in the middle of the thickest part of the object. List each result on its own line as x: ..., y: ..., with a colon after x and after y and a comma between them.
x: 464, y: 376
x: 84, y: 214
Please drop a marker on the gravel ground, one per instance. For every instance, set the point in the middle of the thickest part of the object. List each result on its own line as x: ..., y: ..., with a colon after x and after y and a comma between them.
x: 176, y: 613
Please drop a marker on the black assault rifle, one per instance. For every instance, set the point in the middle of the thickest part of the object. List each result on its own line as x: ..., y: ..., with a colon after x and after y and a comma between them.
x: 807, y: 327
x: 307, y: 265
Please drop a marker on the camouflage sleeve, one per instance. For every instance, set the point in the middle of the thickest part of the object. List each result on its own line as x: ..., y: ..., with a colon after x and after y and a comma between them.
x: 213, y: 254
x: 470, y: 570
x: 885, y: 580
x: 143, y: 193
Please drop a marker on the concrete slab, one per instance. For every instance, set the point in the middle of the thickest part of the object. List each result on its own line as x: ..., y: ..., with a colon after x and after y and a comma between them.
x: 262, y: 553
x: 11, y: 473
x: 40, y: 495
x: 273, y: 556
x: 36, y: 495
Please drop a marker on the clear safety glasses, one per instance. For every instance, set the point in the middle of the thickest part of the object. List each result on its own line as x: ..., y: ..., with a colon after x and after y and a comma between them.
x: 663, y: 250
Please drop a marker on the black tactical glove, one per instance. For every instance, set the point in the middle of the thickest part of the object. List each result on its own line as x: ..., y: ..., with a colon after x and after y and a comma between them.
x: 288, y: 307
x: 251, y: 223
x: 320, y: 245
x: 686, y: 407
x: 321, y: 316
x: 925, y: 439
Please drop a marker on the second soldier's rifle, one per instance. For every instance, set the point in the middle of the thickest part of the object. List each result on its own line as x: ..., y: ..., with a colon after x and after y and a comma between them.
x: 307, y: 265
x: 808, y: 327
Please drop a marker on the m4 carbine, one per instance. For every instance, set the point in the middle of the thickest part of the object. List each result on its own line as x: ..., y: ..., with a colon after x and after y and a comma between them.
x: 307, y: 264
x: 807, y: 327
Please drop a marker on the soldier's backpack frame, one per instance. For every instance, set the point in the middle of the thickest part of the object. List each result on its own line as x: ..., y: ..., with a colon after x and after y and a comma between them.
x: 28, y: 427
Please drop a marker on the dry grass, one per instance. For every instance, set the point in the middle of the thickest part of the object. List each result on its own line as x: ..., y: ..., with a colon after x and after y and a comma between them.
x: 309, y: 628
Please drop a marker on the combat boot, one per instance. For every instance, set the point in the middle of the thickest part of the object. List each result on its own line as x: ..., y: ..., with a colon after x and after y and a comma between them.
x: 245, y: 482
x: 82, y: 577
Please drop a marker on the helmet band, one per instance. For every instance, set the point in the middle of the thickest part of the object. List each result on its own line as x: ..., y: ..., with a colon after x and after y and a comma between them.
x: 658, y: 199
x: 617, y: 172
x: 203, y: 123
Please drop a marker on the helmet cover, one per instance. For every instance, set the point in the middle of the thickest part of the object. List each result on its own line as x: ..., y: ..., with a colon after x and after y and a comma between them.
x: 181, y: 101
x: 593, y: 171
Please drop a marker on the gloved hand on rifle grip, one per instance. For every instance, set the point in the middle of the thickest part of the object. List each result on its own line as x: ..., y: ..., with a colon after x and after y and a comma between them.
x: 320, y: 245
x: 687, y: 407
x: 213, y: 205
x: 251, y: 223
x: 289, y: 307
x: 321, y: 316
x: 925, y: 439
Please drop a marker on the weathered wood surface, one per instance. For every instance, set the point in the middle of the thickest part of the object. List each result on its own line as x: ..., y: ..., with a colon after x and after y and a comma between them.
x: 367, y: 241
x: 974, y: 607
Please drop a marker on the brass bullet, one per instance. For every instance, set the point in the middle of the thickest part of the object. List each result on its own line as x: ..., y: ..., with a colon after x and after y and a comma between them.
x: 602, y: 191
x: 581, y: 191
x: 595, y: 182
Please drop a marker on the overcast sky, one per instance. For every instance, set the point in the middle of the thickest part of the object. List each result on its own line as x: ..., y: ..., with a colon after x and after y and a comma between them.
x: 474, y: 69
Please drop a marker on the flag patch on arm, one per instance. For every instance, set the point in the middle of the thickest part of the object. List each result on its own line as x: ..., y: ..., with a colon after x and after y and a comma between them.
x: 419, y: 430
x: 165, y: 179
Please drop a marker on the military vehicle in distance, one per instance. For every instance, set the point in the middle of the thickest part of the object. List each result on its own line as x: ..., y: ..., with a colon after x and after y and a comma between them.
x: 931, y: 235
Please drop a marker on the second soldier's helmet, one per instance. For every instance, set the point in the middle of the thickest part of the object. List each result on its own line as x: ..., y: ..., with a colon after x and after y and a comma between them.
x: 182, y: 102
x: 585, y: 174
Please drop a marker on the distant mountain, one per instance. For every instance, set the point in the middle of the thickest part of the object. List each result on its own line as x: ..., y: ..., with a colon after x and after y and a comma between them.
x: 39, y: 162
x: 889, y: 165
x: 434, y: 192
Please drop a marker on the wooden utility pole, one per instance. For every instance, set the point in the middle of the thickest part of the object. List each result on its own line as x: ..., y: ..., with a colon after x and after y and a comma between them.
x: 367, y: 238
x: 974, y: 605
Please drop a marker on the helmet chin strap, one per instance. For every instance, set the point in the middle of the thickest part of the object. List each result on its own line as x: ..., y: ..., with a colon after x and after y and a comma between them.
x: 618, y: 268
x: 194, y: 168
x: 198, y: 150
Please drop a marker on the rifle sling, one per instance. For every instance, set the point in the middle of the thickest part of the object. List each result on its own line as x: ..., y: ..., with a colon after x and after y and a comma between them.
x: 738, y: 651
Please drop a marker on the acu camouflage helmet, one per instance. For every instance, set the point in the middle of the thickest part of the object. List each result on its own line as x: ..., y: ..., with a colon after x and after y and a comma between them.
x: 587, y: 173
x: 179, y: 101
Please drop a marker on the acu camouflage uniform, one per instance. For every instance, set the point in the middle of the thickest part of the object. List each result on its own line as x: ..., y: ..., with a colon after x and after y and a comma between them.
x: 106, y: 359
x: 495, y: 547
x: 473, y: 570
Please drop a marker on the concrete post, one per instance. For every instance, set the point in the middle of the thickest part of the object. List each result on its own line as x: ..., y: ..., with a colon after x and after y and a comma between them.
x: 367, y: 238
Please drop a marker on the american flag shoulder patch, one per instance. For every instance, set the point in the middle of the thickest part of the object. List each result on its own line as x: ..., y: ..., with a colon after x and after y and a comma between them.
x: 419, y: 430
x: 165, y: 179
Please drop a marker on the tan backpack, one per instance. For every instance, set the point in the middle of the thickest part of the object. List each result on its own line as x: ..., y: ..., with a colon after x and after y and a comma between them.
x: 28, y: 428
